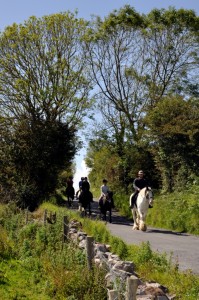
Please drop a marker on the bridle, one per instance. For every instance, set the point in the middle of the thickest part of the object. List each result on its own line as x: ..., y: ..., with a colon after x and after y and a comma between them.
x: 149, y: 194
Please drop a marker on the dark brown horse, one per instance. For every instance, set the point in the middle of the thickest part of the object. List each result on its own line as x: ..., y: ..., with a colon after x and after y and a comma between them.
x: 106, y: 204
x: 85, y: 199
x: 70, y: 194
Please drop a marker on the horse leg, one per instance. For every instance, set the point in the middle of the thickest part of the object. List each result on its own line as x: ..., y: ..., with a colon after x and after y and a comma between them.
x: 142, y: 224
x: 135, y: 219
x: 80, y: 207
x: 110, y: 215
x: 89, y: 208
x: 68, y: 200
x: 103, y: 212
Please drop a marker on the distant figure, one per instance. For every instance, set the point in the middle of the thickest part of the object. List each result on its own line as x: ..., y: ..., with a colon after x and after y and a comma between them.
x: 104, y: 189
x: 70, y: 182
x: 80, y: 183
x: 85, y: 185
x: 70, y: 191
x: 80, y: 187
x: 85, y: 197
x: 105, y: 192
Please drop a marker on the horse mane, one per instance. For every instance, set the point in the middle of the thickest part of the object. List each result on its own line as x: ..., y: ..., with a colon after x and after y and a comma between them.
x: 144, y: 190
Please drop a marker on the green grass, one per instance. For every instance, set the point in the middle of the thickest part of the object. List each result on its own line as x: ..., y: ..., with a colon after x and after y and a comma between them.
x: 34, y: 264
x: 149, y: 265
x: 176, y: 211
x: 39, y: 266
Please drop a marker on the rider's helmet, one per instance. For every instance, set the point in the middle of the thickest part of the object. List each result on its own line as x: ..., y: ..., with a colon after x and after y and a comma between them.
x: 105, y: 181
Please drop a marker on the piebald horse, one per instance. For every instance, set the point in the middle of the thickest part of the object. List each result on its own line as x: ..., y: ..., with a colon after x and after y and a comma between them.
x: 140, y: 208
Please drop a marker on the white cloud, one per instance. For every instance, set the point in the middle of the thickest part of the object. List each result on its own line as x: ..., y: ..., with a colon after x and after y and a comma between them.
x: 81, y: 171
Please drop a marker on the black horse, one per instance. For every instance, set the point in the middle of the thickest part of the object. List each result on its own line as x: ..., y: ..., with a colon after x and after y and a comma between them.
x: 85, y: 199
x: 70, y: 194
x: 106, y: 204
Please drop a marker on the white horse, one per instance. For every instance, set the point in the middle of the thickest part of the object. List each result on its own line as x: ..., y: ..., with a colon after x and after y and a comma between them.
x: 140, y: 209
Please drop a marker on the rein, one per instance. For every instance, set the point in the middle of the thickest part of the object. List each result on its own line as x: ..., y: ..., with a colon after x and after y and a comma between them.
x: 147, y: 194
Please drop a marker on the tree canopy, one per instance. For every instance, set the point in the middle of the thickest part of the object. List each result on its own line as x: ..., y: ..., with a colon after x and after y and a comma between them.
x: 139, y: 71
x: 44, y: 95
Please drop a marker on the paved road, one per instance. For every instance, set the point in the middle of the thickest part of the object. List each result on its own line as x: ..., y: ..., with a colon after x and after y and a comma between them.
x: 183, y: 247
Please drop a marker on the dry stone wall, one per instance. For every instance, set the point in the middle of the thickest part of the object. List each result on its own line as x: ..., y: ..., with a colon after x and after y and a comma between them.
x: 121, y: 279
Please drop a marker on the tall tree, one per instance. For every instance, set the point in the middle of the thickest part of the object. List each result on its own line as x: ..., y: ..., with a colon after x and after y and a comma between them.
x: 171, y: 52
x: 43, y: 69
x: 135, y: 62
x: 44, y: 95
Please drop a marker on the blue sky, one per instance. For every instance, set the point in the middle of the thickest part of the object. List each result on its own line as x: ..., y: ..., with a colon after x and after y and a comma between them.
x: 20, y: 10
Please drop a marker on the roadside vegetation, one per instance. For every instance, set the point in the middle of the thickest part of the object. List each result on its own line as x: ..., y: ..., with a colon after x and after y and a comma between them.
x: 35, y: 263
x: 138, y: 73
x: 177, y: 211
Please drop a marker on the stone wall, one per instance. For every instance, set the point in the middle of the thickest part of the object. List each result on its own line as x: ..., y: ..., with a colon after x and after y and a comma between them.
x: 121, y: 279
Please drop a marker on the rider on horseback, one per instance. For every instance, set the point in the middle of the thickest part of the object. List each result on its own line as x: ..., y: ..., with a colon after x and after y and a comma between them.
x: 139, y: 183
x: 70, y: 191
x: 85, y: 185
x: 80, y: 187
x: 105, y: 192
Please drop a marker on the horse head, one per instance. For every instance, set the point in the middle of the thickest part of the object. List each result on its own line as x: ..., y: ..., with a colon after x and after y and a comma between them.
x: 149, y: 195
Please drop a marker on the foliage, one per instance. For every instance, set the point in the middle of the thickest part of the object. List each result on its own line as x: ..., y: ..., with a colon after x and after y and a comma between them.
x: 176, y: 211
x: 104, y: 161
x: 40, y: 153
x: 5, y: 244
x: 43, y: 69
x: 135, y: 62
x: 44, y: 93
x: 173, y: 125
x: 50, y: 268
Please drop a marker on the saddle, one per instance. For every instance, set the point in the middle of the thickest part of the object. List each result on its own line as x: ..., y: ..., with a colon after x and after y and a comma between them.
x: 134, y: 200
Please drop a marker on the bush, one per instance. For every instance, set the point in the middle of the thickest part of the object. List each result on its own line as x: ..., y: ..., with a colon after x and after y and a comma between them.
x: 5, y: 244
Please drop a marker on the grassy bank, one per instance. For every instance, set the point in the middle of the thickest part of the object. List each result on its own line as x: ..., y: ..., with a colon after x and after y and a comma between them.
x: 35, y: 264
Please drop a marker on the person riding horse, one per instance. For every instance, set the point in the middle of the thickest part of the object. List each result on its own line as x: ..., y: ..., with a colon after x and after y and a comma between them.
x: 139, y: 183
x: 85, y: 196
x: 106, y: 201
x: 70, y: 191
x: 105, y: 192
x: 80, y: 187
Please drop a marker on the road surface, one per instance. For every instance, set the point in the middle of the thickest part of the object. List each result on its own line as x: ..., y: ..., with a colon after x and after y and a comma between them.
x: 184, y: 248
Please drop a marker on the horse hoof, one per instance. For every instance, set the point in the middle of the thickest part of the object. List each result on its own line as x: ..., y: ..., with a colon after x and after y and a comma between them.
x: 143, y: 227
x: 135, y: 228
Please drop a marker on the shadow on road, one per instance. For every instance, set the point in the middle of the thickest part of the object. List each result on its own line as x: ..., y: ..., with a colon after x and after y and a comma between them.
x: 120, y: 220
x: 166, y: 232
